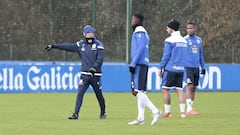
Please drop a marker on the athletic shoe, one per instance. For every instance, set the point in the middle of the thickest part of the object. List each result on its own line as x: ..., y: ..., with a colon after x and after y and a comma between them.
x: 73, y: 117
x: 182, y: 115
x: 136, y: 122
x: 192, y: 112
x: 103, y: 116
x: 166, y: 115
x: 156, y: 117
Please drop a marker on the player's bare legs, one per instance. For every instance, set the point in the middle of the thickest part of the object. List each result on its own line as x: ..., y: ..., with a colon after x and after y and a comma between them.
x: 190, y: 93
x: 181, y: 101
x: 167, y: 103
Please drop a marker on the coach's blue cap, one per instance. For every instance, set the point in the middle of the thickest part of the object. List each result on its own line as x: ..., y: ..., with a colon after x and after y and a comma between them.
x: 88, y: 29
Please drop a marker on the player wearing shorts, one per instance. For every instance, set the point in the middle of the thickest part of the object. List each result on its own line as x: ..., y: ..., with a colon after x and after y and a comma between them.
x: 194, y: 60
x: 171, y: 68
x: 139, y: 71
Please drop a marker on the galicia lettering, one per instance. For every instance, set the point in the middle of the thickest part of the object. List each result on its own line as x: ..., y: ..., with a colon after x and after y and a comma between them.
x: 36, y: 78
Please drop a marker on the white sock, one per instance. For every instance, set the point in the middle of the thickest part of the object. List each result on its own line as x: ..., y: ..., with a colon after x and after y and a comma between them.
x: 141, y: 107
x: 167, y: 108
x: 148, y: 103
x: 182, y: 108
x: 189, y: 103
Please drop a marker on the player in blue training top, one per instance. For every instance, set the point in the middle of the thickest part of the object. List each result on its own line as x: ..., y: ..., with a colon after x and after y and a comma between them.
x: 172, y: 68
x: 194, y: 60
x: 139, y: 70
x: 91, y: 52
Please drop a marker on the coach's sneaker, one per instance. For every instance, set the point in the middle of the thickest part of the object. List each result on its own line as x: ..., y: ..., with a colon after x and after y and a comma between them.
x: 136, y: 122
x: 103, y: 116
x: 73, y: 117
x: 166, y: 115
x: 182, y: 115
x: 192, y: 112
x: 156, y: 117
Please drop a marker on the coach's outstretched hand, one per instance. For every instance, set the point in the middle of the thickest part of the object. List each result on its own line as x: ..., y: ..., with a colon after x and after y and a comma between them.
x: 48, y: 47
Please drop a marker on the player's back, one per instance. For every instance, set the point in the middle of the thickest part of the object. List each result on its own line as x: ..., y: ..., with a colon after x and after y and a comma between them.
x: 178, y: 46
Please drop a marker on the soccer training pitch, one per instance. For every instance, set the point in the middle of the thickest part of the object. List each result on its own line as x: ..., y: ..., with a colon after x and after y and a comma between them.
x: 46, y: 114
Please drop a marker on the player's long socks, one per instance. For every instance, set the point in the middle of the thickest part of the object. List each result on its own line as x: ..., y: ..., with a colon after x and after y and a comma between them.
x: 189, y: 103
x: 141, y: 109
x: 182, y: 108
x: 144, y: 99
x: 167, y: 108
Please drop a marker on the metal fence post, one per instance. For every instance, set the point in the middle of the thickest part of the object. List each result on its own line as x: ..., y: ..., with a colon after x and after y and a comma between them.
x: 128, y: 30
x: 233, y: 54
x: 11, y: 52
x: 94, y: 2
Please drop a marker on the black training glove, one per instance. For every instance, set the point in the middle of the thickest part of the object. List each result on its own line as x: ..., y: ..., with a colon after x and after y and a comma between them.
x: 132, y: 69
x: 203, y: 71
x: 92, y: 70
x: 48, y: 47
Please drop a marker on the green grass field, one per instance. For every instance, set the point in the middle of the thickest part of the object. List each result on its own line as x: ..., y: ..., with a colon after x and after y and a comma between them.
x: 46, y: 114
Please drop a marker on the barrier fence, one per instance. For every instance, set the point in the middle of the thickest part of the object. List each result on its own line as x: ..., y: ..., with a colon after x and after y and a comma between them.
x: 18, y: 77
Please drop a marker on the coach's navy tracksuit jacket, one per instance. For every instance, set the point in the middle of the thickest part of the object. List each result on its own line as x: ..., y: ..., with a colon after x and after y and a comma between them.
x: 91, y: 55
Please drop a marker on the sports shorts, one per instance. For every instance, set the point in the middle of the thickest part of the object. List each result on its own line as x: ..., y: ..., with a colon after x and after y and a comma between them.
x: 192, y: 75
x: 139, y: 78
x: 172, y: 79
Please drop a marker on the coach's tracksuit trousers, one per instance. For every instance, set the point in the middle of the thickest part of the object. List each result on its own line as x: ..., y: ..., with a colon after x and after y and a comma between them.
x: 95, y: 82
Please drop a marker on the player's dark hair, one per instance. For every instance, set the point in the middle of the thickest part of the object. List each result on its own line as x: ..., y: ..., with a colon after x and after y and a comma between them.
x: 192, y: 23
x: 139, y: 17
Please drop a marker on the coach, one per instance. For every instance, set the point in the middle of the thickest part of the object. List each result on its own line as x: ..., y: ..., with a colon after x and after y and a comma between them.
x: 91, y: 52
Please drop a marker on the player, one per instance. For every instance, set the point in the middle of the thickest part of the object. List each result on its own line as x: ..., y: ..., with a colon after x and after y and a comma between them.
x: 139, y: 70
x: 193, y: 62
x: 91, y: 52
x: 172, y: 68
